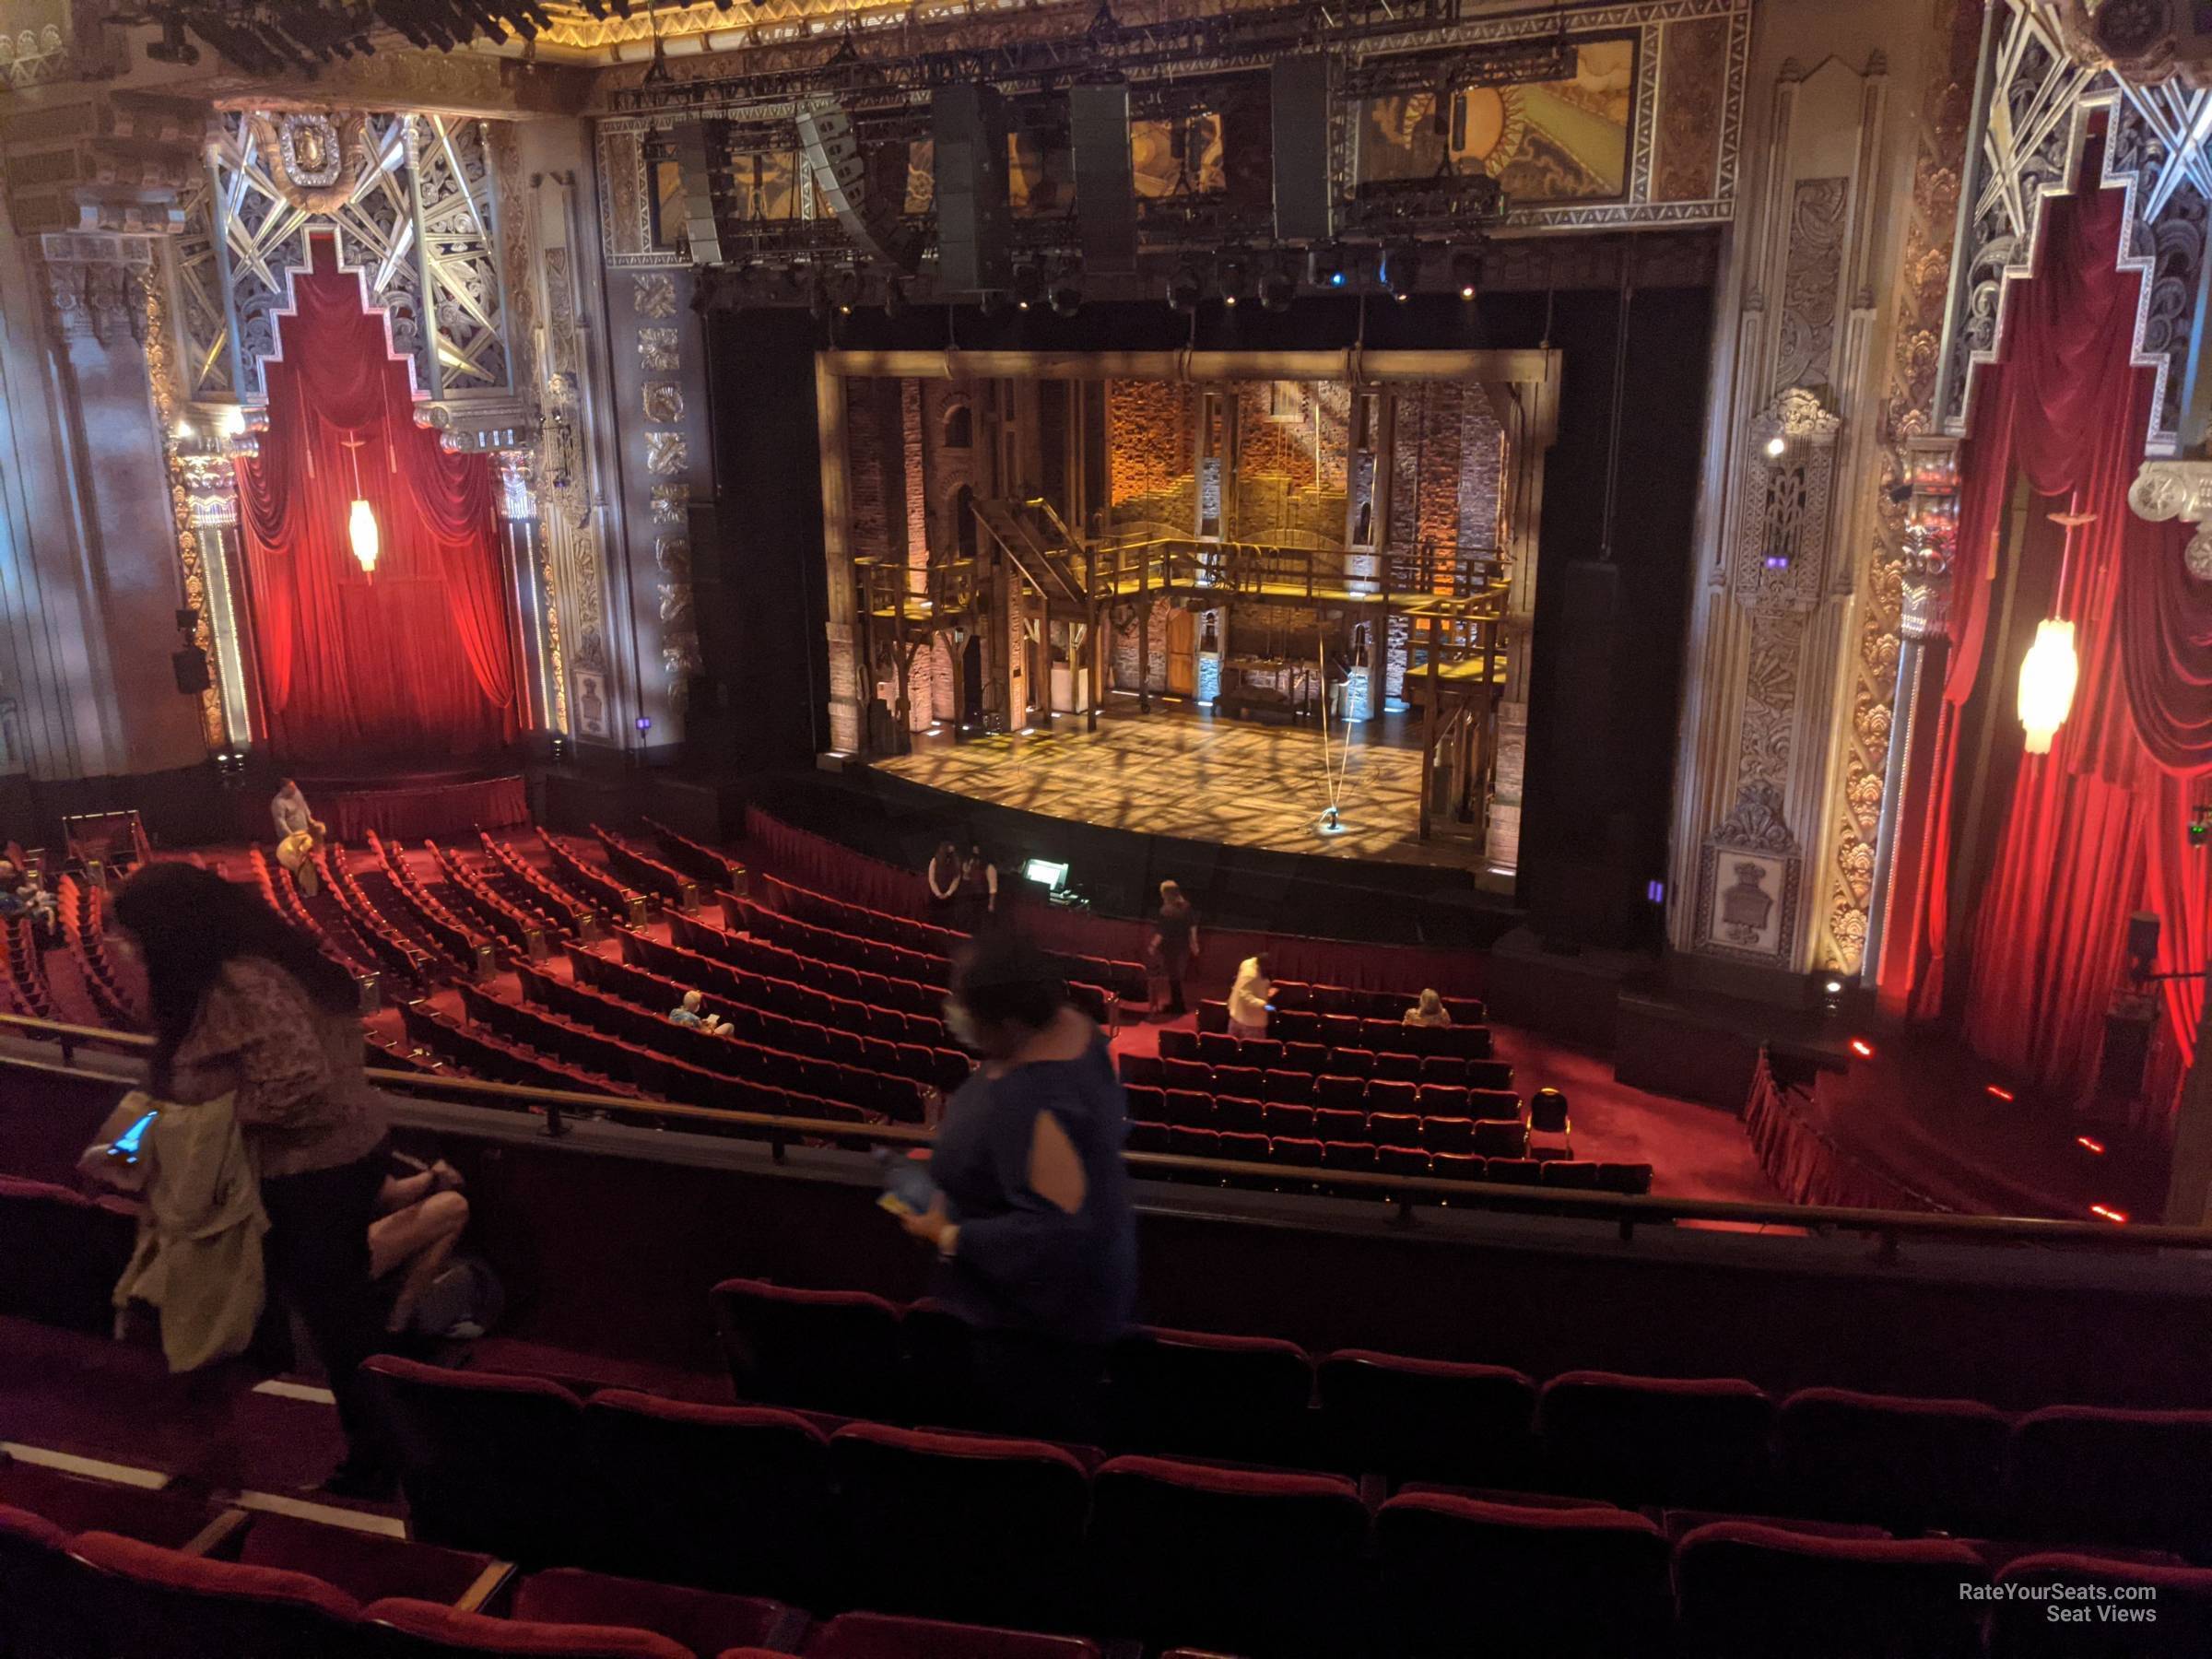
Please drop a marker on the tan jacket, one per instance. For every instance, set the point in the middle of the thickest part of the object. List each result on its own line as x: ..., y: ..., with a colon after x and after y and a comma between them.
x: 198, y: 1257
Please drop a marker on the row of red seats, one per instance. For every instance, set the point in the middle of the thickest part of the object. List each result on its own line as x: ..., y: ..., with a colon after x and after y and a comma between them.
x: 696, y: 858
x: 92, y: 1568
x: 671, y: 1077
x: 461, y: 944
x: 84, y: 926
x: 1540, y: 1166
x: 852, y: 950
x: 589, y: 885
x: 765, y: 1501
x: 28, y: 992
x: 470, y: 894
x: 528, y: 886
x: 398, y: 954
x: 2062, y: 1474
x: 645, y: 873
x: 485, y: 1054
x: 738, y: 1060
x: 279, y: 892
x: 773, y: 961
x: 1123, y: 980
x: 1469, y: 1042
x: 894, y: 1057
x: 1340, y: 1077
x: 1305, y: 996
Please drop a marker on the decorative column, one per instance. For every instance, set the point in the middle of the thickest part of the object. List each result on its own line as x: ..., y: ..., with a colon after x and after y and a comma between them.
x: 208, y: 482
x: 529, y: 572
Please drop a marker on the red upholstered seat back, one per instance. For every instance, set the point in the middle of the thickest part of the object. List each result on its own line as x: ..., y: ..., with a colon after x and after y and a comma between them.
x: 150, y: 1600
x: 414, y: 1630
x: 1746, y: 1590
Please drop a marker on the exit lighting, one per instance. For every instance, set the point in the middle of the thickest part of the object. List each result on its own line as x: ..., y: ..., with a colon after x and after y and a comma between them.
x: 1862, y: 1047
x: 2090, y: 1143
x: 2109, y: 1213
x: 1995, y: 1093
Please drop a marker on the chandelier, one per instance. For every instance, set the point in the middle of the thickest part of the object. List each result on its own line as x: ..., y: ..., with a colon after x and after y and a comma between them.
x: 2052, y: 668
x: 360, y: 520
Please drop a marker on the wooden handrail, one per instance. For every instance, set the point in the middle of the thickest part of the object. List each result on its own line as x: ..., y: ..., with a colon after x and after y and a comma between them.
x: 1624, y: 1210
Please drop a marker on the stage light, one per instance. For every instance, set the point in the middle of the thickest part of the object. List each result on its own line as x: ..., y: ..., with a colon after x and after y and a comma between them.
x: 1029, y: 286
x: 1834, y: 987
x: 2048, y: 676
x: 360, y: 530
x: 2090, y: 1143
x: 1232, y: 271
x: 1065, y: 294
x: 1997, y: 1093
x: 2109, y: 1213
x: 841, y: 288
x: 1862, y: 1047
x: 1186, y: 287
x: 1327, y: 265
x: 1279, y: 283
x: 1466, y: 273
x: 1776, y: 446
x: 1402, y: 270
x: 645, y: 722
x: 1655, y: 892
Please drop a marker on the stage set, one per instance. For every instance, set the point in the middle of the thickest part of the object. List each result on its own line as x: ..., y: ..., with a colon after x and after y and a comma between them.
x: 1684, y: 531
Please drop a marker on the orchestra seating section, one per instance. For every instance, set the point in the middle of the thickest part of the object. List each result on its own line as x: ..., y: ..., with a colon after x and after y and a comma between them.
x: 833, y: 1011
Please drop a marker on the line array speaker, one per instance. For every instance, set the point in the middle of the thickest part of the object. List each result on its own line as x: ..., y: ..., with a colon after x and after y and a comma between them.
x: 967, y: 129
x: 701, y: 235
x: 1098, y: 121
x: 1298, y: 96
x: 833, y: 151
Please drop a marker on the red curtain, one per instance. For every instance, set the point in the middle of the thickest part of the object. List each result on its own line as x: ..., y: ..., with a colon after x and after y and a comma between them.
x: 417, y: 661
x: 2097, y: 828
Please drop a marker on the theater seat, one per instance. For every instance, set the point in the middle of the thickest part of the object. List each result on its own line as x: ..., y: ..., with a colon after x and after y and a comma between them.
x: 2177, y: 1599
x: 46, y: 1603
x: 1428, y: 1419
x: 79, y: 1503
x: 1576, y: 1174
x: 1401, y: 1160
x: 1020, y: 1508
x: 61, y: 1254
x: 1502, y: 1105
x: 732, y: 1497
x: 1686, y: 1443
x: 1460, y: 1166
x: 1908, y: 1465
x: 1295, y: 1121
x: 1494, y: 1139
x: 1750, y: 1592
x: 2096, y: 1475
x: 1147, y: 1138
x: 488, y: 1461
x: 1547, y: 1111
x: 1244, y: 1561
x: 1189, y: 1107
x: 144, y: 1599
x: 1633, y: 1179
x: 704, y: 1621
x: 1333, y: 1093
x: 1243, y: 1114
x: 1459, y: 1576
x: 366, y: 1566
x: 400, y: 1629
x: 874, y: 1636
x: 1514, y: 1171
x: 1339, y: 1124
x: 821, y: 1351
x: 1448, y: 1134
x: 1243, y: 1398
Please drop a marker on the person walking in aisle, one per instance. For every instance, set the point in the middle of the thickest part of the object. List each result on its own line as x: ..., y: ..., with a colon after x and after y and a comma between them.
x: 1175, y: 945
x: 1250, y: 998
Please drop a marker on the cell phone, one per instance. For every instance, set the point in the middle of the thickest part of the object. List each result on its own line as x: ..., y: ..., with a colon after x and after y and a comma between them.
x: 126, y: 1146
x: 907, y: 1188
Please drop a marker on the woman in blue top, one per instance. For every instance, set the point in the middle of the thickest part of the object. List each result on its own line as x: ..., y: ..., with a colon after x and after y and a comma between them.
x: 1032, y: 1222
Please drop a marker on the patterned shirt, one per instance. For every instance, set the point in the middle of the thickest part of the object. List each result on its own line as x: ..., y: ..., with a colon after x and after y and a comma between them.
x: 302, y: 1100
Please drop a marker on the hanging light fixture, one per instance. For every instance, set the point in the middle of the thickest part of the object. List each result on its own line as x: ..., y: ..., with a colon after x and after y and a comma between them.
x: 360, y: 521
x: 2052, y: 668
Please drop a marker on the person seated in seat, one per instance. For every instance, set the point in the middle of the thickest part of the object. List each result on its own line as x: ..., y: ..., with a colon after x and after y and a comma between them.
x: 1429, y: 1011
x: 1250, y: 998
x: 420, y: 1216
x: 1032, y: 1221
x: 687, y: 1013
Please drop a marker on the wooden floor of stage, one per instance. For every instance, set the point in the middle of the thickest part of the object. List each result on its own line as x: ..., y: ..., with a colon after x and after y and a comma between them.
x: 1180, y: 771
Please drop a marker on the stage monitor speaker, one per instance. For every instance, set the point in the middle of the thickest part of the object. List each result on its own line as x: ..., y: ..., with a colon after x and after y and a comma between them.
x: 702, y: 237
x: 1098, y: 123
x: 1298, y: 94
x: 190, y: 665
x: 833, y: 151
x: 967, y: 131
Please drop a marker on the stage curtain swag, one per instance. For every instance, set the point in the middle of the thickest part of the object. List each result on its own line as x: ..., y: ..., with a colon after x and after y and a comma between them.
x: 416, y: 661
x: 2099, y: 827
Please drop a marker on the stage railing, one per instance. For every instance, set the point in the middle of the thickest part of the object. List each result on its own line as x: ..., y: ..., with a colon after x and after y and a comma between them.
x: 1887, y: 1229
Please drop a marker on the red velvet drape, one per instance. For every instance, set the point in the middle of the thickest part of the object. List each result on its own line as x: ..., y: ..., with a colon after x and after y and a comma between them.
x: 415, y: 662
x: 2097, y: 828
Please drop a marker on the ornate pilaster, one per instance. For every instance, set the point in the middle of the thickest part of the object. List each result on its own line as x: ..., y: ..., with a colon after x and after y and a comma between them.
x: 530, y: 576
x: 206, y: 494
x: 2179, y: 489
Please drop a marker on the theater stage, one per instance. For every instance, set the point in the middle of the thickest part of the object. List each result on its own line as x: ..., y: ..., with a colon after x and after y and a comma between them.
x: 1183, y: 773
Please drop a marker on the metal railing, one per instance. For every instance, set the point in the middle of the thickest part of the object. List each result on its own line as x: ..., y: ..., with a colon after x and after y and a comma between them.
x: 1624, y: 1211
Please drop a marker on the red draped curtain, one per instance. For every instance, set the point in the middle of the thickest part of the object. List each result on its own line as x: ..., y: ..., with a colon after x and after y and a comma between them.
x: 415, y: 662
x: 2097, y: 828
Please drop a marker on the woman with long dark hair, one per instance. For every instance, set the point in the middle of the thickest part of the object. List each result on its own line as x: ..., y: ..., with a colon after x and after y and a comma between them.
x: 243, y: 1005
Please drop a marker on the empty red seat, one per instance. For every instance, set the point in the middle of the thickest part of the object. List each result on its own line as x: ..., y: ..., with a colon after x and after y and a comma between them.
x: 823, y: 1350
x: 488, y: 1461
x: 1502, y: 1105
x: 1190, y: 1107
x: 1394, y: 1129
x: 1907, y: 1464
x: 61, y: 1254
x: 1340, y: 1124
x: 78, y: 1503
x: 1355, y: 1156
x: 1496, y: 1139
x: 2096, y: 1475
x: 1234, y: 1112
x: 1022, y: 1507
x: 366, y: 1566
x: 1383, y: 1095
x: 1238, y: 1080
x: 1688, y: 1442
x: 1292, y: 1089
x: 1461, y: 1576
x: 878, y: 1636
x: 732, y: 1497
x: 1265, y: 1052
x: 1459, y: 1166
x: 1245, y: 1146
x: 1213, y: 1016
x: 1547, y: 1111
x: 1351, y: 1062
x: 1212, y: 1395
x: 1244, y: 1561
x: 1448, y: 1134
x: 149, y: 1600
x: 1299, y: 1055
x: 1630, y: 1178
x: 1396, y: 1067
x: 1337, y: 1093
x: 1217, y: 1048
x: 1186, y: 1142
x: 1445, y: 1099
x: 46, y: 1604
x: 1147, y: 1103
x: 1428, y: 1419
x: 1178, y: 1044
x: 1143, y: 1068
x: 1188, y: 1073
x: 1401, y: 1160
x: 1303, y: 1151
x: 1147, y: 1138
x: 707, y: 1622
x: 1281, y: 1119
x: 1574, y: 1172
x: 1444, y: 1068
x: 1750, y: 1591
x: 2152, y: 1612
x: 402, y: 1629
